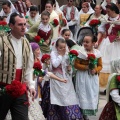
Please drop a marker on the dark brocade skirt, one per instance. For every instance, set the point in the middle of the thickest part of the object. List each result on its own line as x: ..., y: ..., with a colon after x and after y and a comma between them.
x: 108, y: 112
x: 55, y: 112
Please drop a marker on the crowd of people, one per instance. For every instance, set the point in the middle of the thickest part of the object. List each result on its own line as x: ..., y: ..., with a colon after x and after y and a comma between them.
x: 53, y: 63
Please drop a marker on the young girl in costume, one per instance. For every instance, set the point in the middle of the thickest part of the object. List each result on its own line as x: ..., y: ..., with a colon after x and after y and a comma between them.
x: 66, y: 34
x: 38, y: 79
x: 45, y: 27
x: 88, y: 65
x: 111, y: 110
x: 44, y: 30
x: 62, y: 106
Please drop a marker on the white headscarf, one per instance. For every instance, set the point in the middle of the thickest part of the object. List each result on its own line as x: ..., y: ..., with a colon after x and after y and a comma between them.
x: 64, y: 63
x: 13, y: 9
x: 59, y: 11
x: 54, y: 46
x: 115, y: 67
x: 90, y: 11
x: 36, y: 17
x: 105, y: 3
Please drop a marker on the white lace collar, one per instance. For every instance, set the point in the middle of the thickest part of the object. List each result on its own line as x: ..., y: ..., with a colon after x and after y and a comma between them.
x: 44, y: 28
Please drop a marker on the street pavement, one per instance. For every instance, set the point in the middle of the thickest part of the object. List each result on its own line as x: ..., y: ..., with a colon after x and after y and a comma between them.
x: 102, y: 103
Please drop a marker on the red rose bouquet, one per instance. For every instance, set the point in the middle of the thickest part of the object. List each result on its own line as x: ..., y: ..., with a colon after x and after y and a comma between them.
x: 4, y: 27
x: 3, y: 23
x: 63, y: 22
x: 72, y: 56
x: 45, y: 57
x: 15, y: 89
x: 55, y: 22
x: 38, y: 69
x: 92, y: 61
x: 38, y: 40
x: 94, y: 22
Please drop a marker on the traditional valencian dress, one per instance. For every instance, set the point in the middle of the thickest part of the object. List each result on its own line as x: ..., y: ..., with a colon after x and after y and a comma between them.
x: 31, y: 21
x: 44, y: 31
x: 53, y: 16
x: 71, y: 14
x: 111, y: 110
x: 82, y: 17
x: 61, y: 17
x: 92, y: 16
x: 109, y: 47
x: 12, y: 10
x: 87, y: 85
x: 32, y: 32
x: 61, y: 105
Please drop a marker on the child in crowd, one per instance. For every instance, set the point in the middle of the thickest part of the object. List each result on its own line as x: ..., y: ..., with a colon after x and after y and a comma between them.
x: 61, y: 105
x: 38, y: 79
x: 66, y: 34
x: 44, y: 30
x: 88, y: 65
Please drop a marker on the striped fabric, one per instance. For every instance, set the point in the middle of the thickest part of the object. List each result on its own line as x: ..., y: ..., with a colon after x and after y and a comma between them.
x: 8, y: 59
x: 21, y: 7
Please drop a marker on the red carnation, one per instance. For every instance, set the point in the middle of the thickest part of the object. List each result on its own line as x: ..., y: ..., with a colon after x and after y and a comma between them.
x: 4, y: 23
x: 94, y: 22
x: 118, y: 78
x: 45, y: 57
x: 91, y: 56
x: 55, y: 21
x: 16, y: 89
x: 0, y: 22
x: 37, y: 39
x: 74, y: 52
x: 37, y: 66
x: 64, y: 22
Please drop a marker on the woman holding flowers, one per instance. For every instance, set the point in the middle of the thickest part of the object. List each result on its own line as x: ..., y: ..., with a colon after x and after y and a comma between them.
x: 88, y: 64
x: 43, y: 34
x: 109, y: 46
x: 52, y: 21
x: 84, y: 13
x: 95, y: 16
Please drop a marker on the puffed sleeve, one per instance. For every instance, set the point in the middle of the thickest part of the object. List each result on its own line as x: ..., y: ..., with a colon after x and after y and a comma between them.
x: 115, y: 96
x: 56, y: 60
x: 101, y: 28
x: 99, y: 65
x: 80, y: 66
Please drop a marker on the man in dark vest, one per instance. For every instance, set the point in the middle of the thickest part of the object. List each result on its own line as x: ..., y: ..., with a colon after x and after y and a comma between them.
x: 16, y: 63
